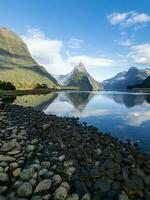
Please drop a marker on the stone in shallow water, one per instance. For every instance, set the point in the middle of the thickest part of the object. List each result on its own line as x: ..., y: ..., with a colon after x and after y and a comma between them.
x: 25, y: 190
x: 43, y: 186
x: 61, y: 193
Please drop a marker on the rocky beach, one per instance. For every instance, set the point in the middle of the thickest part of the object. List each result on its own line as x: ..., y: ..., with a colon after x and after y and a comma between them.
x: 50, y: 157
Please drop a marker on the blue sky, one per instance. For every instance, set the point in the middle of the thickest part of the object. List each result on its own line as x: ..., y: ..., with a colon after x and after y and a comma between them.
x: 107, y: 36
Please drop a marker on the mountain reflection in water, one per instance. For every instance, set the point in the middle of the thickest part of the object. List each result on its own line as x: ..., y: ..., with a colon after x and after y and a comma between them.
x: 124, y: 115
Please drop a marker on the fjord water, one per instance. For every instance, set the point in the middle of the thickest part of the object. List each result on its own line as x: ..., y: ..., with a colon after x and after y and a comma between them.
x: 123, y: 115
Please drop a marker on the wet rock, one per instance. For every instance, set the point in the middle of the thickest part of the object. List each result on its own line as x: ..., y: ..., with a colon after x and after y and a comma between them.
x: 25, y: 190
x: 43, y: 186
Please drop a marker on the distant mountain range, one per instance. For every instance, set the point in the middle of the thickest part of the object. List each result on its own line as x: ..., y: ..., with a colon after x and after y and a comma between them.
x: 123, y: 79
x: 17, y: 66
x: 79, y: 78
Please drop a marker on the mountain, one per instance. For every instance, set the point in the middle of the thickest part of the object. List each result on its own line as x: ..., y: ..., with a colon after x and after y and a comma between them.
x: 123, y: 79
x: 146, y: 82
x: 16, y: 64
x: 79, y: 78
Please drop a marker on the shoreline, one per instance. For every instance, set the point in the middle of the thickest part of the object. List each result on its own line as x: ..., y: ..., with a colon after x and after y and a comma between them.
x: 50, y: 157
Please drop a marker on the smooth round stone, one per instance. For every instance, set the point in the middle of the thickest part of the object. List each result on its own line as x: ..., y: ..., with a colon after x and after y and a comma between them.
x: 26, y: 174
x: 1, y: 169
x: 13, y: 165
x: 2, y: 198
x: 123, y: 196
x: 61, y: 193
x: 102, y: 185
x: 3, y: 189
x: 8, y: 146
x: 42, y: 172
x: 47, y: 197
x: 30, y: 148
x: 25, y: 190
x: 65, y: 185
x: 3, y: 177
x: 36, y: 198
x: 86, y: 197
x: 73, y: 197
x: 56, y: 179
x: 16, y: 172
x: 46, y: 165
x: 3, y: 164
x: 43, y: 186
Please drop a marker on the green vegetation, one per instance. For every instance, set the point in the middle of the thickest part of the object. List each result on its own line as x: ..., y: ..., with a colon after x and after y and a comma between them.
x: 17, y: 66
x: 7, y: 86
x: 41, y: 86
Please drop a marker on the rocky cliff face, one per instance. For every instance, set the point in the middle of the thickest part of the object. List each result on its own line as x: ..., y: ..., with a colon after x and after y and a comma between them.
x: 79, y: 78
x: 18, y: 66
x: 123, y: 79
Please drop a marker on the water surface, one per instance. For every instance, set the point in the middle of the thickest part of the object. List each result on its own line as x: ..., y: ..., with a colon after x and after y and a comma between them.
x: 124, y: 115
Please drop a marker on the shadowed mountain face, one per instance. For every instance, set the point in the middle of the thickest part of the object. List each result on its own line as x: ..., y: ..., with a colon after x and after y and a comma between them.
x: 123, y: 79
x: 79, y: 78
x: 17, y: 65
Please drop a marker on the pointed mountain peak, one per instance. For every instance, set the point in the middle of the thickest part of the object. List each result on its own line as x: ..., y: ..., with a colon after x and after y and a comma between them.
x: 80, y: 67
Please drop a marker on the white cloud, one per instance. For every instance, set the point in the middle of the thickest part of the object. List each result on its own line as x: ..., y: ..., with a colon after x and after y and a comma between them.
x: 91, y: 61
x: 125, y: 42
x: 140, y: 54
x: 48, y: 53
x: 117, y: 18
x: 137, y: 118
x: 45, y: 51
x: 127, y: 19
x: 75, y: 43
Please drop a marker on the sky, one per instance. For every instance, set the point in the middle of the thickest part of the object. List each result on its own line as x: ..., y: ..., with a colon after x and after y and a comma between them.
x: 107, y: 36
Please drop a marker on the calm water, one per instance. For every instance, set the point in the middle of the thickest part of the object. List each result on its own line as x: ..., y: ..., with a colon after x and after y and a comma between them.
x: 125, y: 115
